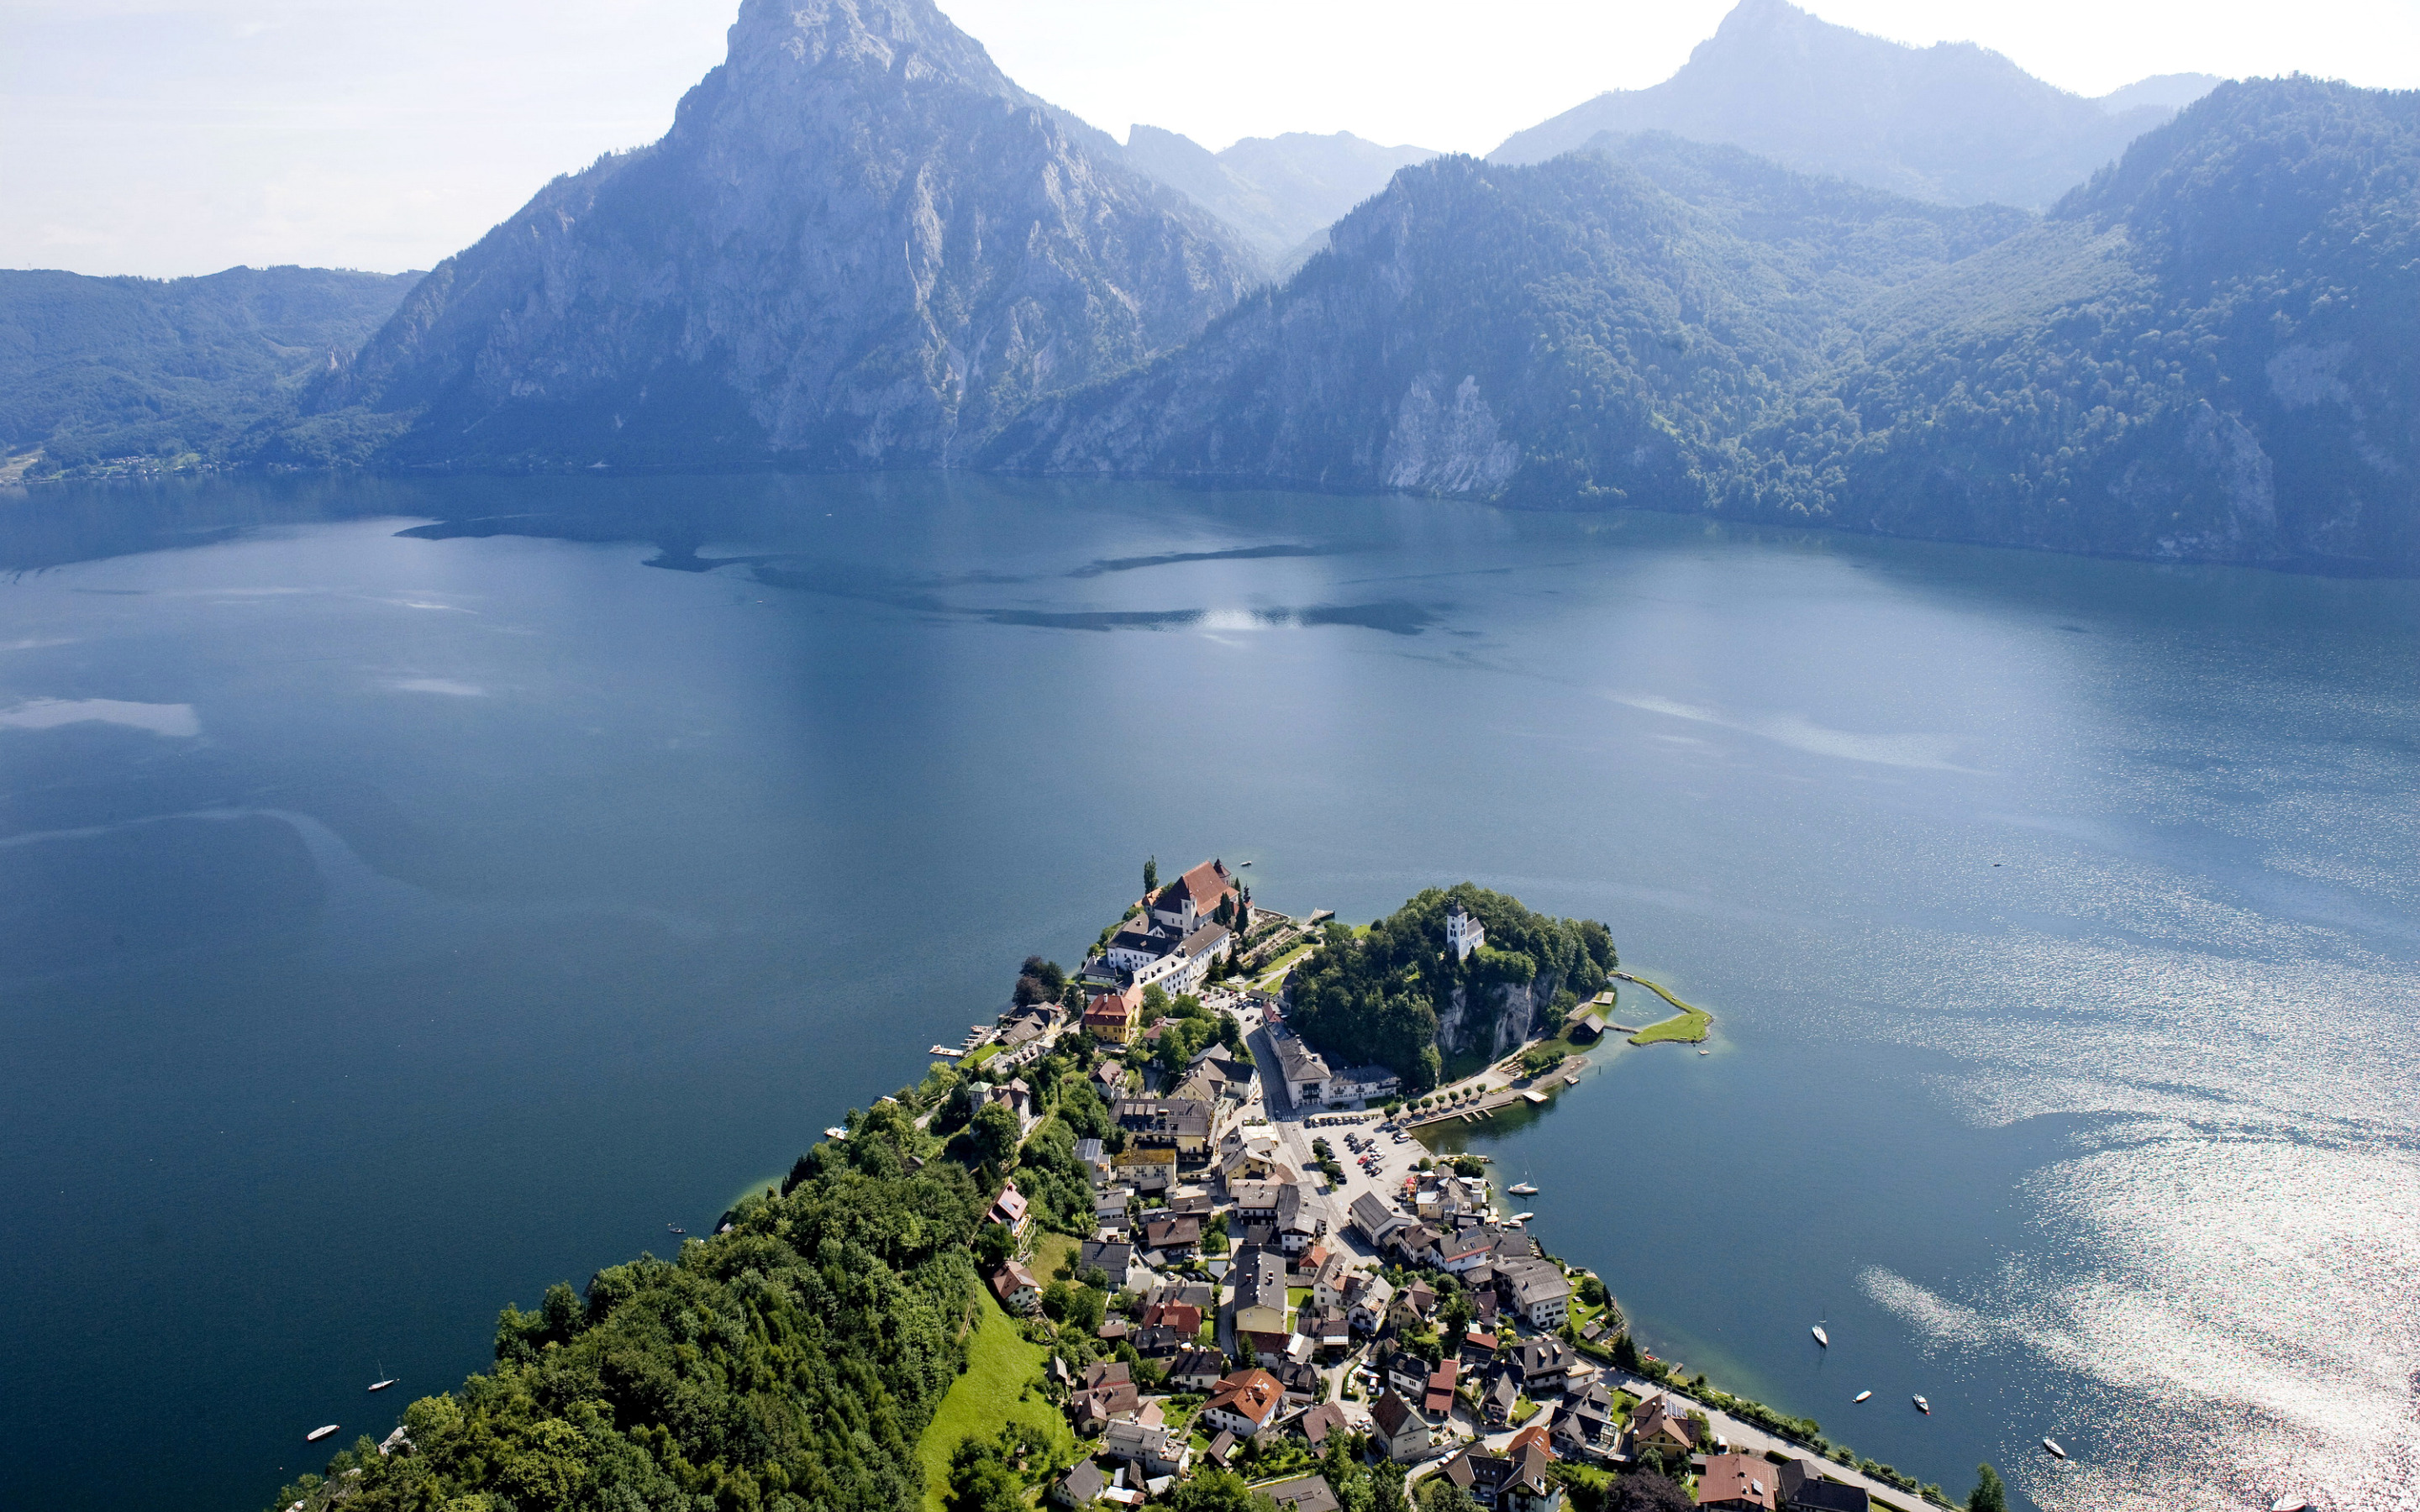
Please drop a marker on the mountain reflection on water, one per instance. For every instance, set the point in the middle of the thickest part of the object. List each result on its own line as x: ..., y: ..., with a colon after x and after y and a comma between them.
x: 407, y: 898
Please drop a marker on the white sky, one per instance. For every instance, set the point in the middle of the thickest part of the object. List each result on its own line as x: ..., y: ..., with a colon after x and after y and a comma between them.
x: 182, y: 136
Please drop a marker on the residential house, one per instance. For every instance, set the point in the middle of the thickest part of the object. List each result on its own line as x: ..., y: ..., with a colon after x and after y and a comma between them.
x: 1010, y: 1209
x: 1463, y: 933
x: 1159, y: 1342
x: 1080, y: 1486
x: 1415, y: 1245
x: 1436, y: 1402
x: 1401, y: 1432
x: 1114, y: 1016
x: 1739, y: 1483
x: 1308, y: 1493
x: 1183, y: 1317
x: 1196, y: 1368
x: 1502, y: 1394
x: 1221, y: 1449
x: 1804, y: 1489
x: 1587, y: 1428
x: 1366, y: 1301
x: 1538, y: 1291
x: 1255, y: 1202
x: 1407, y: 1375
x: 1420, y: 1297
x: 1016, y: 1288
x: 1478, y: 1350
x: 1263, y: 1347
x: 1094, y: 1407
x: 1321, y: 1420
x: 1655, y: 1427
x: 1301, y: 1219
x: 1173, y: 1235
x: 1542, y: 1365
x: 1462, y: 1251
x: 1181, y: 1124
x: 1094, y: 1157
x: 1115, y: 1258
x: 1515, y: 1481
x: 1329, y: 1283
x: 1244, y: 1403
x: 1361, y: 1085
x: 1155, y: 1448
x: 1326, y: 1329
x: 1111, y: 1075
x: 1300, y: 1379
x: 1260, y: 1302
x: 1300, y: 1069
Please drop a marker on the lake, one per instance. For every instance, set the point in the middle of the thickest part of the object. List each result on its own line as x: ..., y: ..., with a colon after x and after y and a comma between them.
x: 413, y: 893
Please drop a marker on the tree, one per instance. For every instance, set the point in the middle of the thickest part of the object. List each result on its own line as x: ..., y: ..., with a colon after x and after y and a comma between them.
x: 1644, y: 1490
x: 1154, y: 1004
x: 1438, y: 1494
x: 980, y: 1481
x: 994, y: 1245
x: 1151, y: 876
x: 1989, y: 1494
x: 1028, y: 991
x: 997, y: 1134
x: 1625, y: 1353
x: 1215, y: 1490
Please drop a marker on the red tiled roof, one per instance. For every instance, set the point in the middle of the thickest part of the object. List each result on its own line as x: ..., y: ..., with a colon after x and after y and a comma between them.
x: 1205, y: 884
x: 1253, y: 1395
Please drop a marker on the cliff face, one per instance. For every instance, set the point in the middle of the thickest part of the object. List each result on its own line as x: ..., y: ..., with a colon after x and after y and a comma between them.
x: 860, y: 246
x: 1495, y: 1018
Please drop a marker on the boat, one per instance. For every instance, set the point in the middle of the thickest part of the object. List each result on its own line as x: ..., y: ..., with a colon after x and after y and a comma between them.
x: 2289, y: 1503
x: 835, y: 1132
x: 382, y: 1385
x: 1821, y: 1338
x: 1703, y: 1051
x: 1862, y: 1396
x: 1523, y: 1189
x: 316, y: 1434
x: 1521, y: 1217
x: 674, y: 1228
x: 1573, y: 1080
x: 1922, y: 1406
x: 2052, y: 1445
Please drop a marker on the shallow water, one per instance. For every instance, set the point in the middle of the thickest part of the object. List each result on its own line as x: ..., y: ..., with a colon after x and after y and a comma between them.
x: 412, y: 894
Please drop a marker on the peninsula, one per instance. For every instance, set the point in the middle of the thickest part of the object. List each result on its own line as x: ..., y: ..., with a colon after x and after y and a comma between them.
x: 1158, y: 1233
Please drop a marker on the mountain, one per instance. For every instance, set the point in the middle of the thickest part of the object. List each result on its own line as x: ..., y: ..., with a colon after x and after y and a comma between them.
x: 1599, y: 327
x: 2170, y: 92
x: 1952, y: 122
x: 859, y: 245
x: 104, y: 372
x: 2209, y: 353
x: 1276, y: 191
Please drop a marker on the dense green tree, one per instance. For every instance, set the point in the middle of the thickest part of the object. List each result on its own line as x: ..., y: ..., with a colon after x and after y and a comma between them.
x: 996, y: 1134
x: 1438, y: 1494
x: 1647, y: 1490
x: 1988, y: 1495
x: 1215, y: 1490
x: 1150, y: 875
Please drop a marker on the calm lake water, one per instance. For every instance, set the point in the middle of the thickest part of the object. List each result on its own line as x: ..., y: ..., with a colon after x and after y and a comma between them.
x: 396, y: 916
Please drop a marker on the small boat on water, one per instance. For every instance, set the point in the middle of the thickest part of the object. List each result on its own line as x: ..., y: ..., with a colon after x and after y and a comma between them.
x: 1922, y: 1406
x: 382, y: 1385
x: 2052, y: 1445
x: 1862, y: 1396
x: 316, y: 1434
x: 1523, y: 1189
x: 2289, y: 1503
x: 1573, y: 1080
x: 835, y: 1132
x: 674, y: 1228
x: 1521, y: 1217
x: 1821, y: 1338
x: 1703, y: 1051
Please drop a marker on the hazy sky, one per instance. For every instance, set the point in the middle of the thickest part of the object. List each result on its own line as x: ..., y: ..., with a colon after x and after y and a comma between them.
x: 182, y: 137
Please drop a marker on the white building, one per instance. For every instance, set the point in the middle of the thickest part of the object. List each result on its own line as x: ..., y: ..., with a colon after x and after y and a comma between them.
x: 1362, y: 1083
x: 1462, y: 933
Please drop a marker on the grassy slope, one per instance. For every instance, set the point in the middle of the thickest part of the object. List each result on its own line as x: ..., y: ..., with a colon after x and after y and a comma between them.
x: 999, y: 1364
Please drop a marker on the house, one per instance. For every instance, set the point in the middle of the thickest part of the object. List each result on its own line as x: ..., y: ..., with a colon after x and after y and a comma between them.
x: 1181, y: 1124
x: 1114, y: 1016
x: 1092, y: 1407
x: 1244, y: 1403
x: 1326, y: 1330
x: 1803, y: 1488
x: 1094, y: 1158
x: 1187, y: 962
x: 1402, y: 1433
x: 1586, y: 1428
x: 1739, y: 1483
x: 1260, y: 1302
x: 1462, y: 933
x: 1329, y: 1283
x: 1459, y: 1252
x: 1016, y: 1288
x: 1374, y: 1219
x: 1299, y: 1379
x: 1310, y: 1494
x: 1321, y: 1420
x: 1366, y: 1301
x: 1437, y: 1401
x: 1415, y: 1245
x: 1220, y: 1449
x: 1478, y: 1350
x: 1115, y: 1258
x: 1080, y: 1486
x: 1300, y: 1068
x: 1263, y: 1347
x: 1255, y: 1202
x: 1654, y: 1428
x: 1008, y: 1207
x: 1193, y: 900
x: 1407, y: 1375
x: 1484, y: 1308
x: 1361, y: 1083
x: 1542, y: 1364
x: 1111, y: 1074
x: 1538, y: 1291
x: 1180, y: 1236
x: 1515, y: 1481
x: 1301, y: 1221
x: 1183, y: 1317
x: 1196, y: 1368
x: 1502, y: 1394
x: 1159, y: 1342
x: 1420, y: 1296
x: 1137, y: 942
x: 1153, y: 1448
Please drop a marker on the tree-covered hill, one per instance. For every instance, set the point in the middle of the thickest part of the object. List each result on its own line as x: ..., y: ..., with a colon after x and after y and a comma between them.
x: 98, y: 369
x: 1384, y: 995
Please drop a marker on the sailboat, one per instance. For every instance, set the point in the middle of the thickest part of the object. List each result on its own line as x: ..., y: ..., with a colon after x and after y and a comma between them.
x: 384, y: 1379
x: 2289, y: 1503
x: 1862, y: 1396
x: 2052, y: 1445
x: 1821, y: 1338
x: 1523, y: 1189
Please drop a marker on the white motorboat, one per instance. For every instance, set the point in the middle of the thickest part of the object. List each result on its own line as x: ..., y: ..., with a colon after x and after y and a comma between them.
x: 2289, y: 1503
x: 1922, y: 1406
x: 1521, y: 1217
x: 316, y: 1434
x: 1862, y: 1396
x: 1523, y: 1189
x: 2052, y: 1445
x: 1821, y: 1338
x: 835, y: 1132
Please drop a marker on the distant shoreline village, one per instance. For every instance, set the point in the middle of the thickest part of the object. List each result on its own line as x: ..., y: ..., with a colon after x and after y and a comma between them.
x: 1251, y: 1298
x: 1159, y: 1233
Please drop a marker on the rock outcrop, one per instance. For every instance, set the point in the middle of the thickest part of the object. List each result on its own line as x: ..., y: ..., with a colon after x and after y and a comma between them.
x: 859, y: 245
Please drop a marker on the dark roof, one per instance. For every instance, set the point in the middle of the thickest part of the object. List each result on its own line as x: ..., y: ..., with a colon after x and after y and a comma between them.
x: 1829, y: 1496
x: 1084, y: 1484
x: 1311, y: 1493
x: 1390, y: 1413
x: 1176, y: 1117
x: 1320, y: 1422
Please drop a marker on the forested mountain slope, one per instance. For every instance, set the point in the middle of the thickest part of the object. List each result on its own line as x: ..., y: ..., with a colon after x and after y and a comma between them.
x: 859, y: 245
x: 1581, y: 330
x: 1953, y: 122
x: 96, y: 370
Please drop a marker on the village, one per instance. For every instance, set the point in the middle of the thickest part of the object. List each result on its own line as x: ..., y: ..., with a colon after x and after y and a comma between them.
x: 1289, y: 1275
